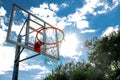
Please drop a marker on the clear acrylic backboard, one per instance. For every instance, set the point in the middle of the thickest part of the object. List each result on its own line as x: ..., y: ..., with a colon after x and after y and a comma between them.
x: 33, y: 29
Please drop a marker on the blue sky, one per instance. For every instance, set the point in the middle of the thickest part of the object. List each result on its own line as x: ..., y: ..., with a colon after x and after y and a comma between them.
x: 79, y: 19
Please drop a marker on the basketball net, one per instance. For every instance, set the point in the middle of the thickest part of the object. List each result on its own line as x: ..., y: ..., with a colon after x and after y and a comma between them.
x: 49, y: 43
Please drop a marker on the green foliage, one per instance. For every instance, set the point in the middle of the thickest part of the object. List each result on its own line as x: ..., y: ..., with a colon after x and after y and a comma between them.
x: 75, y: 71
x: 59, y: 73
x: 105, y: 54
x: 78, y: 74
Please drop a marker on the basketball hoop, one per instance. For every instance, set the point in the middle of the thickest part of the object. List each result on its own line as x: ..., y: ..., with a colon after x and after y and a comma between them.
x: 48, y: 28
x: 53, y: 36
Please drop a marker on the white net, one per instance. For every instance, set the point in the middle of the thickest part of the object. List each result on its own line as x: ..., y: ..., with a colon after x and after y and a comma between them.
x: 51, y: 39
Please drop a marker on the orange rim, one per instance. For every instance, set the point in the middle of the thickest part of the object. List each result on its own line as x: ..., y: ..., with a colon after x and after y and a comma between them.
x: 39, y: 30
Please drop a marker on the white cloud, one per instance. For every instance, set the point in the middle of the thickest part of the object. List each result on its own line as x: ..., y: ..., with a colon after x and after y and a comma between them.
x: 43, y: 11
x: 111, y: 6
x: 44, y: 6
x: 25, y: 66
x: 69, y: 46
x: 43, y: 69
x: 7, y: 54
x: 2, y: 18
x: 41, y: 74
x: 106, y: 6
x: 6, y: 58
x: 2, y: 23
x: 2, y: 36
x: 93, y: 6
x: 16, y: 28
x: 50, y: 16
x: 64, y: 5
x: 88, y: 31
x: 61, y: 22
x: 48, y: 13
x: 54, y: 7
x: 2, y: 11
x: 79, y: 20
x: 110, y: 30
x: 89, y: 6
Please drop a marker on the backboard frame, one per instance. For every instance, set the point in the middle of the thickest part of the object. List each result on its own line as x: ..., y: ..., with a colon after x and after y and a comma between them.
x: 26, y: 45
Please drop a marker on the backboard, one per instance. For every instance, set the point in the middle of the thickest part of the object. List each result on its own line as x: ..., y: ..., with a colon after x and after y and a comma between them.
x: 26, y: 25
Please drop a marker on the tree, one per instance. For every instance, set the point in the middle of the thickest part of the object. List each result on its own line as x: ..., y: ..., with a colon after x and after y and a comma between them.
x: 60, y: 73
x: 75, y: 71
x: 105, y: 54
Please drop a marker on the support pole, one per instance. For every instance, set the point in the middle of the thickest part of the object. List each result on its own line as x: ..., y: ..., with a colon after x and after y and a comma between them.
x: 27, y: 30
x: 16, y: 62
